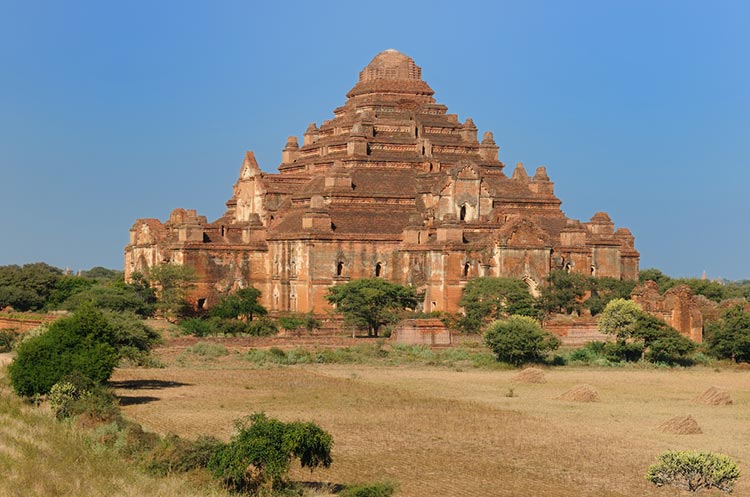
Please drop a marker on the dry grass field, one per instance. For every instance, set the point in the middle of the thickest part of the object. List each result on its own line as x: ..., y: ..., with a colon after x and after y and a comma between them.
x: 41, y: 457
x: 445, y: 432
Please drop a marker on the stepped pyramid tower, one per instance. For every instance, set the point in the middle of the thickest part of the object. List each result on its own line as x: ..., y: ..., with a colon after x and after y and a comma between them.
x: 394, y: 187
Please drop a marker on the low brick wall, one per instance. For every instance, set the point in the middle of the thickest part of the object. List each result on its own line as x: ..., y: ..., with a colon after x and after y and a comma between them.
x: 576, y: 331
x: 422, y: 332
x: 24, y: 323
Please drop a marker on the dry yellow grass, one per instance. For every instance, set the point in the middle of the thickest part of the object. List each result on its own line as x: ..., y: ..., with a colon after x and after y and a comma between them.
x: 443, y: 432
x: 40, y: 457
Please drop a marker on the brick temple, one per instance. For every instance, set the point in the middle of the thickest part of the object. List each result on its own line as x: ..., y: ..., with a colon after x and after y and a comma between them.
x: 394, y: 187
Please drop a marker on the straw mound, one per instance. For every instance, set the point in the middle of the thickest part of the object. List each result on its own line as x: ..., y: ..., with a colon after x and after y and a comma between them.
x: 580, y: 393
x: 681, y: 425
x: 714, y: 396
x: 530, y: 375
x: 743, y: 366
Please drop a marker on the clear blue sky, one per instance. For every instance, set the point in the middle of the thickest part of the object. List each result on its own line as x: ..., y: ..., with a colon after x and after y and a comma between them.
x: 111, y: 111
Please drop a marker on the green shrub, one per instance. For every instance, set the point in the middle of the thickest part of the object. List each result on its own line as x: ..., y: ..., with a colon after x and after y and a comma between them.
x: 262, y: 328
x: 134, y: 442
x: 262, y: 449
x: 43, y: 361
x: 380, y: 489
x: 519, y: 339
x: 694, y: 471
x: 8, y: 338
x: 208, y: 350
x: 178, y: 455
x: 671, y: 349
x: 76, y: 394
x: 197, y: 327
x: 229, y: 327
x: 61, y: 397
x: 619, y: 351
x: 131, y: 336
x: 729, y: 338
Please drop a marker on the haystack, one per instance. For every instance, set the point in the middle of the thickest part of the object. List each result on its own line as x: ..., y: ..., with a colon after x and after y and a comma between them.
x: 530, y: 375
x: 580, y: 393
x: 714, y: 396
x: 681, y: 425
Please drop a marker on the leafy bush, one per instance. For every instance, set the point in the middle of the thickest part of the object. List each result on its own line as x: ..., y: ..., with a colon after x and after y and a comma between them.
x: 262, y: 328
x: 178, y: 455
x: 131, y: 336
x: 8, y: 338
x: 694, y: 471
x: 519, y: 339
x: 671, y: 349
x: 261, y: 452
x: 75, y: 394
x: 118, y: 296
x: 730, y: 337
x: 197, y: 327
x: 486, y: 299
x: 61, y: 396
x: 621, y: 351
x: 228, y: 327
x: 241, y: 304
x: 589, y: 353
x: 79, y: 343
x: 295, y: 321
x: 380, y: 489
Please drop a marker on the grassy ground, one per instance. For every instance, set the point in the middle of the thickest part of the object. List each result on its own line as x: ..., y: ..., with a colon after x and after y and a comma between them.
x: 42, y: 457
x: 454, y: 430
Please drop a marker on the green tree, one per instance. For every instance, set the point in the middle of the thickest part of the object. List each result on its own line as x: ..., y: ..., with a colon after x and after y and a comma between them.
x: 263, y: 448
x: 102, y: 274
x: 68, y: 286
x: 563, y: 293
x: 519, y: 339
x: 371, y: 303
x: 487, y: 299
x: 171, y: 282
x: 655, y: 275
x: 729, y: 338
x: 641, y: 335
x: 242, y: 304
x: 694, y: 471
x: 605, y: 289
x: 116, y: 296
x: 28, y: 287
x: 296, y: 321
x: 80, y: 343
x: 620, y: 318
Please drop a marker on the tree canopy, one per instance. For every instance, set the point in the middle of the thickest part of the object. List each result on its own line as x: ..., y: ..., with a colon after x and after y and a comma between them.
x: 28, y: 287
x: 241, y: 304
x: 171, y: 282
x: 640, y: 334
x: 371, y: 303
x: 564, y: 292
x: 729, y: 338
x: 519, y: 339
x: 487, y: 299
